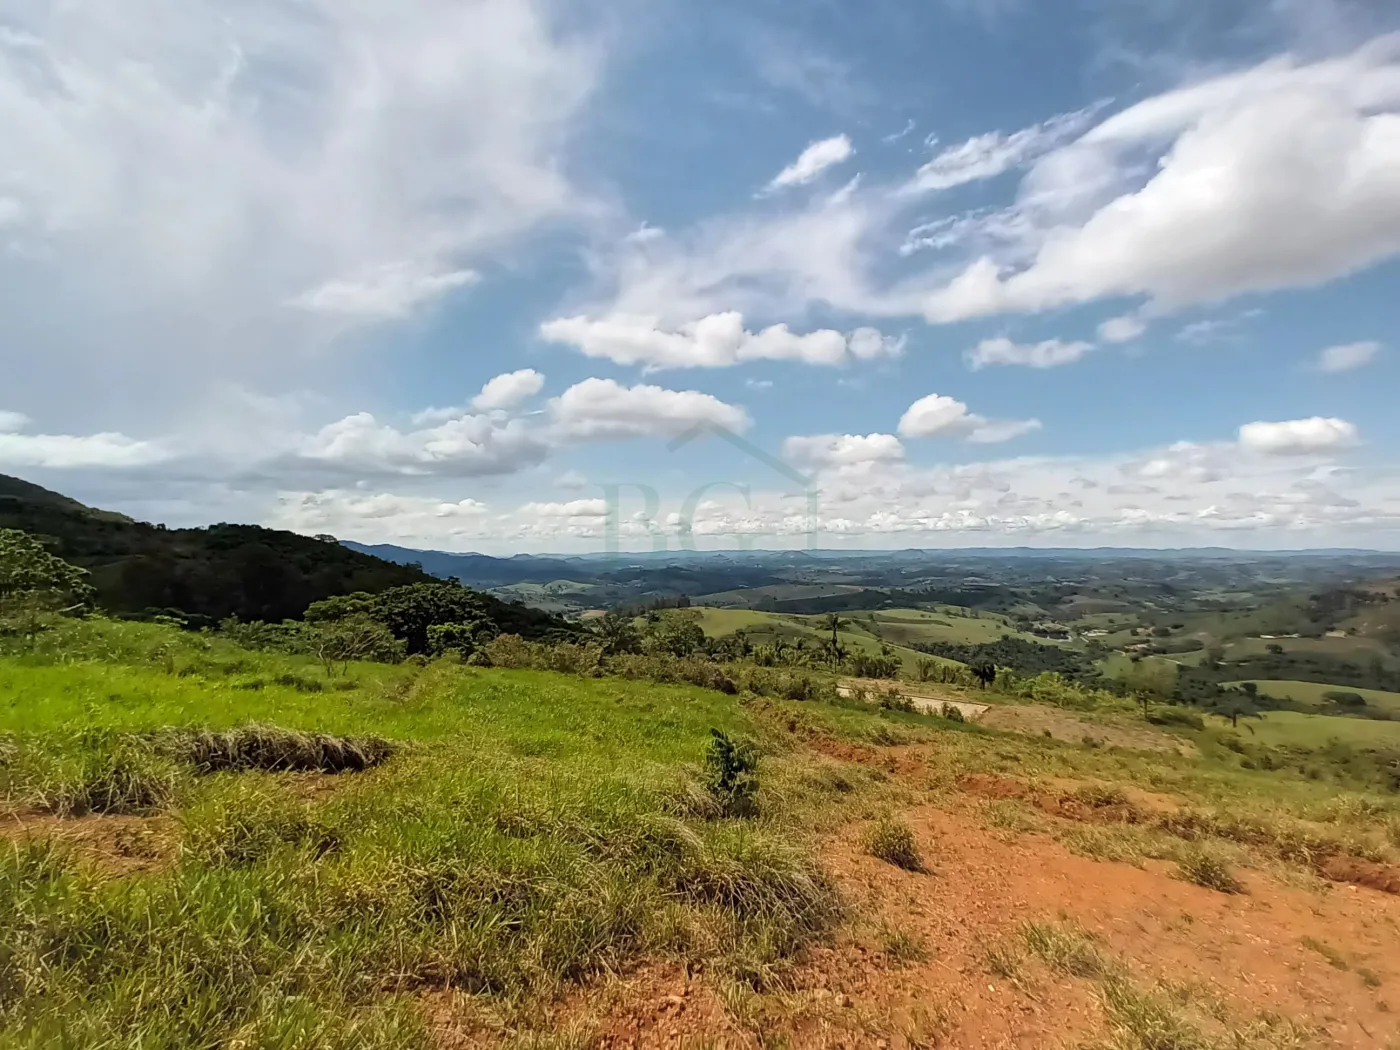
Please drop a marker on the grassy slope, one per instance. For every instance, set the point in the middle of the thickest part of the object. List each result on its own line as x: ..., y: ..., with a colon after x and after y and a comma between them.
x: 533, y: 829
x: 900, y: 628
x: 1294, y: 728
x: 1311, y: 693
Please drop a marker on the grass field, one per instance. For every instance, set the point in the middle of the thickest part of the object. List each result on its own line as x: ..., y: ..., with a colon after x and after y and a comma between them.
x: 1298, y: 729
x: 865, y: 631
x: 531, y: 829
x: 1311, y: 693
x: 522, y: 842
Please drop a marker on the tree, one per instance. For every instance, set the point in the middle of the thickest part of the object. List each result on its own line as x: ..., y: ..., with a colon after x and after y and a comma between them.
x: 677, y: 636
x: 833, y: 622
x: 1151, y: 680
x: 985, y: 672
x: 408, y: 612
x: 355, y: 637
x: 463, y: 638
x: 34, y: 582
x: 617, y: 632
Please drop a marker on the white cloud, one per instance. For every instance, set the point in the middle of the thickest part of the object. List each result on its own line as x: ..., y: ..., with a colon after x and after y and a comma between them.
x: 390, y: 292
x: 938, y: 415
x: 1048, y: 354
x: 216, y: 164
x: 1281, y: 176
x: 508, y: 390
x: 716, y: 341
x: 603, y: 409
x: 1122, y: 329
x: 842, y: 450
x: 10, y: 422
x: 464, y: 446
x: 1295, y: 437
x: 813, y: 160
x: 995, y: 431
x: 72, y: 452
x: 986, y: 156
x: 578, y: 508
x: 1347, y: 357
x: 382, y: 517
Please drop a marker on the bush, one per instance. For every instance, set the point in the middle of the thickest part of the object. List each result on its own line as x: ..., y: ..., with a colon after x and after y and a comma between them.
x: 953, y: 713
x: 891, y: 840
x: 731, y: 774
x: 1173, y: 716
x: 1342, y: 698
x: 894, y: 700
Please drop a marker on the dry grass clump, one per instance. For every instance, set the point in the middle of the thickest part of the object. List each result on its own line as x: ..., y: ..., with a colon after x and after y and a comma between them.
x: 891, y: 840
x: 272, y: 749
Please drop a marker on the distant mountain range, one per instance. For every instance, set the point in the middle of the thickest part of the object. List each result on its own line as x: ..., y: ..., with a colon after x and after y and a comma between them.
x: 483, y: 570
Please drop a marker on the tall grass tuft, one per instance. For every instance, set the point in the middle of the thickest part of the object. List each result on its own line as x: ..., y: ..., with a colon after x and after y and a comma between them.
x: 272, y: 749
x: 891, y: 840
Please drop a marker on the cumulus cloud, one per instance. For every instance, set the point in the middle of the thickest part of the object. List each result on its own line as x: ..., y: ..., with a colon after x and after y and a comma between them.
x: 986, y: 156
x: 843, y: 450
x: 71, y: 452
x: 1122, y: 329
x: 603, y: 409
x: 1048, y: 354
x: 12, y: 421
x: 937, y: 415
x: 390, y: 292
x: 1347, y: 357
x: 508, y: 390
x: 578, y: 508
x: 1277, y: 177
x: 464, y: 446
x: 1298, y: 437
x: 716, y: 341
x: 813, y: 160
x: 383, y: 517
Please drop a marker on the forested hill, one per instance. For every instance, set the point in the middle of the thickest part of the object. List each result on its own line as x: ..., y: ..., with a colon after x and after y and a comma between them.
x: 223, y: 570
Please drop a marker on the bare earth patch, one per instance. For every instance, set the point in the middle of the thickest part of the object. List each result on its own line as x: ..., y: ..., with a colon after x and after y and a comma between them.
x: 115, y: 845
x: 1040, y: 720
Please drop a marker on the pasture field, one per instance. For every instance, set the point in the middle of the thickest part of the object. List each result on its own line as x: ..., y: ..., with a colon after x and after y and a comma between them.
x: 1300, y: 729
x: 1311, y: 693
x: 530, y: 829
x: 203, y: 846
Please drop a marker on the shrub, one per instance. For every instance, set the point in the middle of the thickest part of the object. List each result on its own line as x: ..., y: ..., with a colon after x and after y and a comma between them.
x: 1173, y: 716
x: 894, y: 700
x: 891, y: 840
x: 1207, y: 869
x: 1342, y: 698
x: 731, y: 774
x: 953, y: 713
x: 507, y: 650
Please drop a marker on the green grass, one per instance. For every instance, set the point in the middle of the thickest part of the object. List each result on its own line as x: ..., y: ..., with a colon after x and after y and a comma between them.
x: 1311, y: 693
x: 1299, y: 729
x: 529, y: 830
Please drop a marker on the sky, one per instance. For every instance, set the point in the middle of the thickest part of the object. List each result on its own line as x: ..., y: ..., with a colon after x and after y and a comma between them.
x: 533, y: 276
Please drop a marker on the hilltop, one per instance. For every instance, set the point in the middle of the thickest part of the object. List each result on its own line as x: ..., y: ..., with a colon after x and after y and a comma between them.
x: 203, y: 574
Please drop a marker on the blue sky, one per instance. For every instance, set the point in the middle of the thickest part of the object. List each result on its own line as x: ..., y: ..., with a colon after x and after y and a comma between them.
x: 986, y: 272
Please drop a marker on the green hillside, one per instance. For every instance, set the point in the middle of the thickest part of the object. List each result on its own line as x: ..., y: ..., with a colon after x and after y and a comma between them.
x: 207, y: 574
